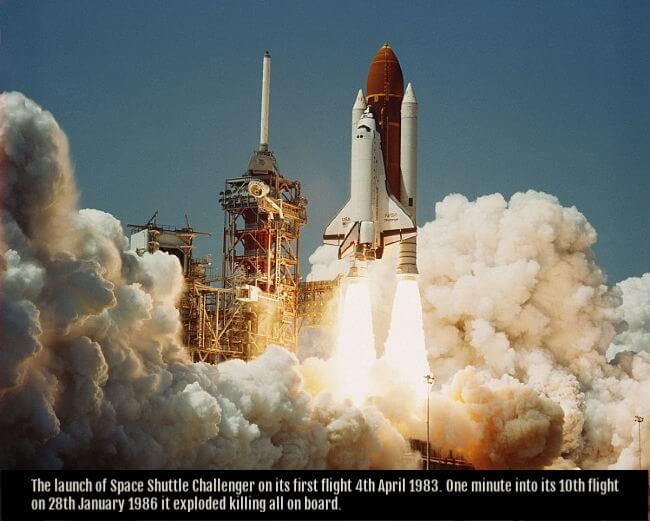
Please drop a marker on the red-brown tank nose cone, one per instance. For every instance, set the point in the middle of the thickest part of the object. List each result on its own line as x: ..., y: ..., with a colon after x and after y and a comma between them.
x: 384, y: 75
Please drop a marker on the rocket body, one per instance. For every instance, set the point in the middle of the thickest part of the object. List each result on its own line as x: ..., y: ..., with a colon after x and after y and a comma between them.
x: 407, y: 264
x: 408, y: 150
x: 383, y: 171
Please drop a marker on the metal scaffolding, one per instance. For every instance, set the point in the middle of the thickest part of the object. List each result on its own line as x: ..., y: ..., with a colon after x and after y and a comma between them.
x: 199, y: 302
x: 264, y: 213
x: 261, y: 300
x: 318, y: 302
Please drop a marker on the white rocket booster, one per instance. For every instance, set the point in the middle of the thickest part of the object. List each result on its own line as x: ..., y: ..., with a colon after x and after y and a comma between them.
x: 407, y: 264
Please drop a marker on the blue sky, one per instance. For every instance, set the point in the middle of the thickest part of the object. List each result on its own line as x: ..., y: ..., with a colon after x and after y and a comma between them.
x: 160, y: 101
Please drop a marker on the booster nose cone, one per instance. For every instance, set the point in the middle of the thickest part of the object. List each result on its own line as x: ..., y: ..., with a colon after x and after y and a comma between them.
x: 409, y: 95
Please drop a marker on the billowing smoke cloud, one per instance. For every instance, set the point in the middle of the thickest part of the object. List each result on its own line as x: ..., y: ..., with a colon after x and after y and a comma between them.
x: 91, y: 370
x: 519, y: 324
x: 635, y: 316
x: 518, y: 318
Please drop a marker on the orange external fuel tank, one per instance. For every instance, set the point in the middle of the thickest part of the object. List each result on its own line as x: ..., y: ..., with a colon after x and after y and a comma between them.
x: 384, y: 92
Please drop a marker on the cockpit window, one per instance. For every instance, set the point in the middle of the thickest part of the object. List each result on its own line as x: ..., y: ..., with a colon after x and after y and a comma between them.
x: 364, y: 126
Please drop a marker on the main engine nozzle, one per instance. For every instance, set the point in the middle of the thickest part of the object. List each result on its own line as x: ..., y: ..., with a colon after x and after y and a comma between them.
x: 359, y: 262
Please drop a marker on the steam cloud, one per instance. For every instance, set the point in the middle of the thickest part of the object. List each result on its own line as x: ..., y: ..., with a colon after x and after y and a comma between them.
x: 518, y: 317
x: 91, y: 370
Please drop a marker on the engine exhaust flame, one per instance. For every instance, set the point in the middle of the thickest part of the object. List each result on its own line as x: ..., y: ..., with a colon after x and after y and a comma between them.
x: 355, y: 342
x: 405, y: 347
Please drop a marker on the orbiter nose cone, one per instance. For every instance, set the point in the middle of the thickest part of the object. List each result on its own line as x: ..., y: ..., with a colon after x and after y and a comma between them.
x: 385, y: 74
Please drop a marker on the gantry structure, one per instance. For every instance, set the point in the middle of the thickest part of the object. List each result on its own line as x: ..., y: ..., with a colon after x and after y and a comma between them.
x: 199, y: 300
x: 259, y: 298
x: 264, y: 214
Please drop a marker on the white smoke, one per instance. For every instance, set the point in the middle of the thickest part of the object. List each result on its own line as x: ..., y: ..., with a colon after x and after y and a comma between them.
x: 92, y: 373
x: 518, y: 318
x: 635, y: 316
x: 513, y: 287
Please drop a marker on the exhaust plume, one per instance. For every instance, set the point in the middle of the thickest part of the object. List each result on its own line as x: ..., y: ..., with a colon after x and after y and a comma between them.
x: 518, y: 318
x: 518, y: 321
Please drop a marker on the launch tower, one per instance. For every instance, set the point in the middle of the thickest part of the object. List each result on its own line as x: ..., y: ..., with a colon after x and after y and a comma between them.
x: 264, y: 213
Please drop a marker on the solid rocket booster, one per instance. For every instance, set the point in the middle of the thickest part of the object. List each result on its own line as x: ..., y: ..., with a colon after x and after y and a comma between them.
x: 409, y: 148
x: 383, y: 187
x: 266, y: 95
x: 407, y: 264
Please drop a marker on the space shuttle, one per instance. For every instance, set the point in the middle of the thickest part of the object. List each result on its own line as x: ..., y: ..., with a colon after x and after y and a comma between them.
x: 383, y: 170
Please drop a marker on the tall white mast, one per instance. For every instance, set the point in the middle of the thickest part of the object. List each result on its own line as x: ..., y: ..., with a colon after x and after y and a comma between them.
x: 266, y: 94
